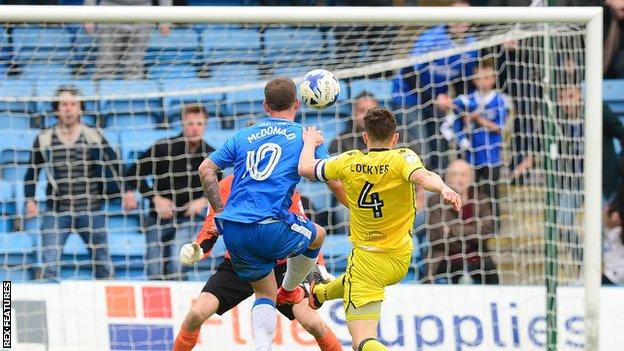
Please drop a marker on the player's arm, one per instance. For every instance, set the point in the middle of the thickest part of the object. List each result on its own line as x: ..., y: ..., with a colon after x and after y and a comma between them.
x: 307, y: 160
x: 209, y: 169
x: 207, y: 236
x: 432, y: 182
x: 309, y: 164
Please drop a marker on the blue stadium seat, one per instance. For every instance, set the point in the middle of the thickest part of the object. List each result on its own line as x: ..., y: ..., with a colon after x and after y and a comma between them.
x: 17, y: 274
x: 41, y: 44
x: 317, y: 192
x: 48, y: 88
x: 5, y: 52
x: 135, y: 141
x: 45, y: 71
x: 294, y: 45
x: 15, y: 146
x: 7, y: 206
x: 231, y: 45
x: 245, y: 102
x: 128, y: 244
x: 238, y: 73
x: 16, y: 249
x: 15, y: 120
x: 336, y: 250
x: 217, y: 138
x: 122, y: 223
x: 381, y: 88
x: 84, y: 50
x: 213, y: 102
x: 20, y: 89
x: 613, y: 90
x: 124, y: 103
x: 74, y: 246
x: 172, y: 71
x: 291, y: 71
x: 180, y: 45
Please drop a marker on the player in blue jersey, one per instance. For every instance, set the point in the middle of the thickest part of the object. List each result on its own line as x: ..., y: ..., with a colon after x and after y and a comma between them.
x: 256, y: 225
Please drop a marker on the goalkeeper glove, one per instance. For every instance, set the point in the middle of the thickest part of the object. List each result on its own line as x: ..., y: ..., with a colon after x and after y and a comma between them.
x: 190, y: 254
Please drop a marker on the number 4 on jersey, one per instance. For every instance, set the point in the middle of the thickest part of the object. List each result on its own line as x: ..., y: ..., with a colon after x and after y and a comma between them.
x: 375, y: 202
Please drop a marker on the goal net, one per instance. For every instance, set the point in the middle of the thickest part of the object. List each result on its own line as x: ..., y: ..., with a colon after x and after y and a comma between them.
x: 497, y: 109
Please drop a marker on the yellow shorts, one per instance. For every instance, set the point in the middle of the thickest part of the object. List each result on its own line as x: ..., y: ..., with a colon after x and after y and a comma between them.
x: 368, y: 274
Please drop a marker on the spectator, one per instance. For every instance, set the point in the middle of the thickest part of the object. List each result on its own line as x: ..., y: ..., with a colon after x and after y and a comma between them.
x: 416, y: 87
x: 176, y: 196
x: 74, y: 157
x: 121, y: 47
x: 479, y: 128
x: 458, y: 247
x: 612, y: 128
x: 351, y: 136
x: 613, y: 247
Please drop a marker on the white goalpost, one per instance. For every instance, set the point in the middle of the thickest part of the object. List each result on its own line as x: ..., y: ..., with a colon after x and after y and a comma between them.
x: 546, y: 220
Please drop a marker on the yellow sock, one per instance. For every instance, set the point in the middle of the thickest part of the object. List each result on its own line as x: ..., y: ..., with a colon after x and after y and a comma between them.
x: 330, y: 291
x: 371, y: 345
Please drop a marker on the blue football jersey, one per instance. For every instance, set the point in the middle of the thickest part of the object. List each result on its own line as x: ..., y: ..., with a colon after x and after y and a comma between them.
x: 486, y: 145
x: 265, y: 157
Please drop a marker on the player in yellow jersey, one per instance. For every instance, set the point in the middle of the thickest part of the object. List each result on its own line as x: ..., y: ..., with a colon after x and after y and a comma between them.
x: 380, y: 188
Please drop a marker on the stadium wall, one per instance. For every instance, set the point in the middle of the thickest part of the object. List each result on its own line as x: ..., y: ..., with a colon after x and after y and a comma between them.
x: 76, y: 315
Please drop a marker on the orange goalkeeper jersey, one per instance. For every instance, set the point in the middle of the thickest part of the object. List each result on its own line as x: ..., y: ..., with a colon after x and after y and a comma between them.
x: 205, y: 237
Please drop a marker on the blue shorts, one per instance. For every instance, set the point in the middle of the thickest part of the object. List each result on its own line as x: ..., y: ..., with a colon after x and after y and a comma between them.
x: 255, y: 247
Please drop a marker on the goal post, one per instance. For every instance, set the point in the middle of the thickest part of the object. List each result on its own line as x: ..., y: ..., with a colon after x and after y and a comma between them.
x: 495, y: 26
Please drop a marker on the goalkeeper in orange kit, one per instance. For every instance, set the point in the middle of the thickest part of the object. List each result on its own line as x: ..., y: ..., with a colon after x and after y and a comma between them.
x: 224, y: 290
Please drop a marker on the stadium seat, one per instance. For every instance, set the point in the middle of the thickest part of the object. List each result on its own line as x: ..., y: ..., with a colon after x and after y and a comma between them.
x: 317, y: 192
x: 230, y: 44
x: 127, y: 244
x: 135, y: 141
x: 41, y: 44
x: 117, y: 99
x: 245, y: 102
x: 84, y: 50
x: 16, y: 249
x: 217, y: 138
x: 14, y: 120
x: 20, y: 89
x: 47, y: 88
x: 171, y: 71
x: 293, y: 46
x: 336, y: 250
x: 381, y: 88
x: 45, y: 71
x: 15, y: 146
x: 7, y: 206
x: 213, y: 102
x: 234, y: 74
x: 180, y: 45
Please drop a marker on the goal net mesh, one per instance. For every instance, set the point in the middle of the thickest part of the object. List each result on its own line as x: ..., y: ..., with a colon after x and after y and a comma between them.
x: 521, y: 136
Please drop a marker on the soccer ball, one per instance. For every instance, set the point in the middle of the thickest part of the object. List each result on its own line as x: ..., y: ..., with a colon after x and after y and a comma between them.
x: 319, y: 89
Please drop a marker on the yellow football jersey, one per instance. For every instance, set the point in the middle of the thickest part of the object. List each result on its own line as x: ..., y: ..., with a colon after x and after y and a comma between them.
x: 382, y: 201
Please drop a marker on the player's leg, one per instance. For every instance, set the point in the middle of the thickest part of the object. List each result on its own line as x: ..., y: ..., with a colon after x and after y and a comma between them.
x: 364, y: 331
x: 223, y: 291
x: 321, y: 292
x: 300, y: 266
x: 313, y: 324
x: 205, y: 306
x: 308, y: 318
x: 263, y: 313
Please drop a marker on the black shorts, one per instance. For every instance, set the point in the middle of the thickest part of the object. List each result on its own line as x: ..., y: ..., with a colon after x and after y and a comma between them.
x: 230, y: 290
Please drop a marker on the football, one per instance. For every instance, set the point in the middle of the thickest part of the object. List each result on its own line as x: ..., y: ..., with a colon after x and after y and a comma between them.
x: 319, y: 89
